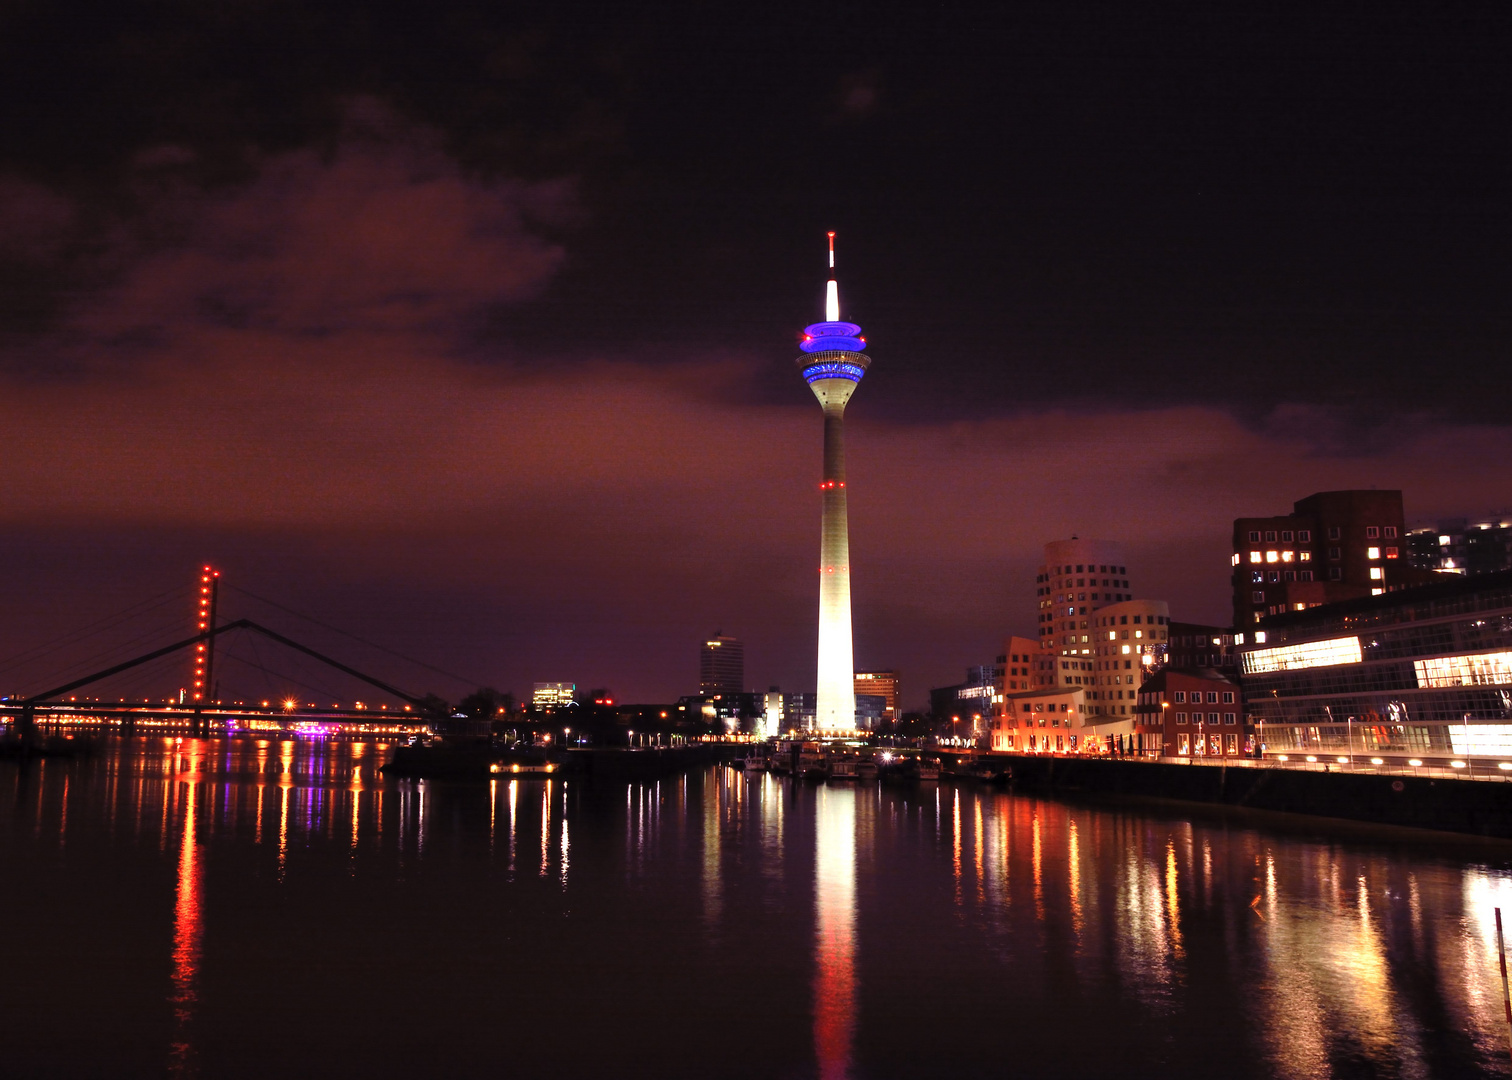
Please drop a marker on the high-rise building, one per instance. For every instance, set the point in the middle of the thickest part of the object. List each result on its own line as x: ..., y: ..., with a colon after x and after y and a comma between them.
x: 721, y: 665
x: 833, y: 364
x: 882, y: 684
x: 1077, y: 578
x: 1335, y: 545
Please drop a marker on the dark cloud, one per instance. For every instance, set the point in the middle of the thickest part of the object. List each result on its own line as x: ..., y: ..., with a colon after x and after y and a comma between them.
x: 480, y: 329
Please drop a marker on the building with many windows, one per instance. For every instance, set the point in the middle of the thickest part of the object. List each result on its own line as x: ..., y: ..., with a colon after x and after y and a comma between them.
x: 1199, y: 645
x: 1042, y: 721
x: 721, y: 665
x: 880, y: 684
x: 1418, y: 675
x: 1191, y: 713
x: 553, y: 695
x: 1461, y: 546
x: 1334, y: 545
x: 1077, y: 578
x: 1129, y: 641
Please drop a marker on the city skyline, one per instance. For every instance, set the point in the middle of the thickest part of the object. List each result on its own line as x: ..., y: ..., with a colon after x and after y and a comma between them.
x: 495, y: 369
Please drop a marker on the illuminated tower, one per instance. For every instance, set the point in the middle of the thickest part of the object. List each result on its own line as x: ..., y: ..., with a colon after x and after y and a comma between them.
x: 204, y: 650
x: 832, y: 365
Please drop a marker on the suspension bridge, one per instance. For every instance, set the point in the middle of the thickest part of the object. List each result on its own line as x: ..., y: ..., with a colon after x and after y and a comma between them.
x: 127, y: 688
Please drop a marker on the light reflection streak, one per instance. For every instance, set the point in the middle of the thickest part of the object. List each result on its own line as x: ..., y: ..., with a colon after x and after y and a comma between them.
x: 545, y: 828
x: 955, y: 847
x: 1173, y: 900
x: 1074, y: 859
x: 712, y: 892
x: 835, y: 930
x: 188, y: 931
x: 514, y: 796
x: 977, y: 841
x: 1036, y: 855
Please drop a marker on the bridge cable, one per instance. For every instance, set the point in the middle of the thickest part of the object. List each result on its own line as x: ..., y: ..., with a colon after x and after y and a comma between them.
x: 78, y: 634
x: 371, y: 644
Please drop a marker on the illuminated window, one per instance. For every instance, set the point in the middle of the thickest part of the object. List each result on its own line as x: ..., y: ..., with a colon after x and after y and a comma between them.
x: 1271, y: 556
x: 1484, y: 669
x: 1375, y: 573
x: 1372, y: 553
x: 1288, y: 556
x: 1254, y: 556
x: 1304, y: 556
x: 1391, y: 553
x: 1307, y: 655
x: 1377, y: 592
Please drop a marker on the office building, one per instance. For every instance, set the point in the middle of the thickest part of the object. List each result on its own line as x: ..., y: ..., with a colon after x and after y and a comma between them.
x: 969, y: 704
x: 553, y: 695
x: 1335, y: 545
x: 883, y: 684
x: 1461, y: 546
x: 1199, y: 645
x: 721, y: 665
x: 1078, y: 578
x: 1421, y: 674
x: 832, y: 364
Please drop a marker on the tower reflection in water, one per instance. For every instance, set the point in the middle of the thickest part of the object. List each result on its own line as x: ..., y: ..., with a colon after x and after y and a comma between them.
x: 834, y: 929
x: 1302, y: 953
x: 188, y: 925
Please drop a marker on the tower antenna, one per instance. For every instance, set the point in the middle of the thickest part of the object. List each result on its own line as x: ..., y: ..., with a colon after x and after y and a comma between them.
x: 832, y: 289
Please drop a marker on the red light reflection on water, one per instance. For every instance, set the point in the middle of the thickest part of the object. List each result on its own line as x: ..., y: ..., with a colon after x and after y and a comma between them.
x: 188, y: 930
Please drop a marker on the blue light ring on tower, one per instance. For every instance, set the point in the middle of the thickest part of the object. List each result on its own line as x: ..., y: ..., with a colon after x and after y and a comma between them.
x: 835, y: 364
x: 832, y: 337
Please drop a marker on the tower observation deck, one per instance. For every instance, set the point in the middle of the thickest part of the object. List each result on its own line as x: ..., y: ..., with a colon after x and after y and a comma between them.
x: 833, y: 364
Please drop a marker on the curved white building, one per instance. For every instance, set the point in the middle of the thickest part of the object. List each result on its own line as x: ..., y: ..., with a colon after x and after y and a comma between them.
x: 1078, y: 578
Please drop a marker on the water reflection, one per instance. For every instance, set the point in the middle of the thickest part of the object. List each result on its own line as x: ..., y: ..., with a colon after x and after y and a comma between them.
x: 834, y: 929
x: 188, y: 928
x: 907, y: 908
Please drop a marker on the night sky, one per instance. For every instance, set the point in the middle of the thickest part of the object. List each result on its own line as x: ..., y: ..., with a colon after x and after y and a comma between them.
x: 470, y: 328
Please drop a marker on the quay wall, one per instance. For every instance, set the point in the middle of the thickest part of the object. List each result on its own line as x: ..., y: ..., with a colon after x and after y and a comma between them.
x: 1477, y: 807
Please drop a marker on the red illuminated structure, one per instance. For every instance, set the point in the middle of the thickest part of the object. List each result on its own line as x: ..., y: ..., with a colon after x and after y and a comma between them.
x: 201, y: 687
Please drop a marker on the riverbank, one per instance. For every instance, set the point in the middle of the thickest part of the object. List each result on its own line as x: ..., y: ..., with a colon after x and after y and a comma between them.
x: 1442, y: 805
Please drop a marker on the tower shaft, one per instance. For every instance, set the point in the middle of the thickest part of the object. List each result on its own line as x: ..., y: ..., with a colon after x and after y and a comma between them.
x: 835, y: 701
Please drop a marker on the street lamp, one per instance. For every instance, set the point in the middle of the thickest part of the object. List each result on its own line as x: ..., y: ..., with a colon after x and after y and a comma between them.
x: 631, y: 743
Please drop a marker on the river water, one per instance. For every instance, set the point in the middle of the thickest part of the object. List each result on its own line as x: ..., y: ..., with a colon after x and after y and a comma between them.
x: 252, y: 907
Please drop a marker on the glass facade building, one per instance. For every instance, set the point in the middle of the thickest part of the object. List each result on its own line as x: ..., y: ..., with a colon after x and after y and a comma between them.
x: 1421, y: 673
